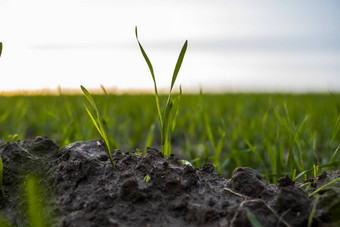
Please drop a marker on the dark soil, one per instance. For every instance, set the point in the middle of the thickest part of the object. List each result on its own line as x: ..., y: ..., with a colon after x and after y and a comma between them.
x: 83, y: 189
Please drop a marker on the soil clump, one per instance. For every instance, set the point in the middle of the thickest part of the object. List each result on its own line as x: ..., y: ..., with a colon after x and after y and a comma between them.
x: 81, y: 188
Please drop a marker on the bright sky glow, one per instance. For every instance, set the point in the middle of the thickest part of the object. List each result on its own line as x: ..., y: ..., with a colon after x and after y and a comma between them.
x: 262, y: 45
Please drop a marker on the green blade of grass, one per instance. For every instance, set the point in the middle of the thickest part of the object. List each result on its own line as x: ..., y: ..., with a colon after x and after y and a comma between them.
x: 98, y: 123
x: 153, y: 77
x: 253, y: 220
x: 149, y: 138
x: 335, y: 155
x: 35, y: 206
x: 106, y: 140
x: 253, y: 149
x: 166, y: 125
x: 104, y: 89
x: 179, y: 64
x: 312, y: 213
x: 89, y: 98
x: 93, y: 121
x: 335, y: 130
x: 0, y: 48
x: 324, y: 186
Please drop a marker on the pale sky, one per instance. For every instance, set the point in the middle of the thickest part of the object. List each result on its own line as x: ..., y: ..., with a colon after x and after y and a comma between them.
x: 245, y: 44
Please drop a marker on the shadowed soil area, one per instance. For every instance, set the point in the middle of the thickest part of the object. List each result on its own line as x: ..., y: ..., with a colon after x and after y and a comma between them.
x: 80, y: 187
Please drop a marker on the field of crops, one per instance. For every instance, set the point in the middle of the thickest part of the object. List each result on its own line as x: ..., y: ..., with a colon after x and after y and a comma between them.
x: 274, y: 133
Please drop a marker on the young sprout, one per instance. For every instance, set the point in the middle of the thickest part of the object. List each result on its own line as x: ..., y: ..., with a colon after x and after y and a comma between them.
x: 98, y: 123
x: 34, y: 203
x: 147, y: 178
x: 168, y: 120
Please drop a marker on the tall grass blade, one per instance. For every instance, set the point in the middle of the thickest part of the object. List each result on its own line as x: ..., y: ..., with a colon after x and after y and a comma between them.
x: 179, y: 64
x: 153, y: 77
x: 89, y: 98
x: 0, y: 48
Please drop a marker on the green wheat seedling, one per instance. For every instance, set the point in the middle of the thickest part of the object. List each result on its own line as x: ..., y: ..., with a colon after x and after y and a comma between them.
x: 168, y: 120
x: 1, y: 176
x: 34, y: 203
x: 312, y: 213
x: 324, y: 186
x: 98, y: 123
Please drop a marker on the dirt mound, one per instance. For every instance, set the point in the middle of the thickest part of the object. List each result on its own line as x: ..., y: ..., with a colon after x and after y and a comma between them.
x: 85, y: 190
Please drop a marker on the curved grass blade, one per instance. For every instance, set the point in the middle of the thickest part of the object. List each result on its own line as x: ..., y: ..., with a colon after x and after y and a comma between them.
x: 1, y: 176
x: 98, y: 123
x: 153, y: 77
x: 179, y: 64
x: 93, y: 120
x: 0, y: 48
x: 89, y: 98
x: 324, y: 186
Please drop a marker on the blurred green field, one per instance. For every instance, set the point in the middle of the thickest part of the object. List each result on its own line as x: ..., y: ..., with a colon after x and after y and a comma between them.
x: 274, y: 133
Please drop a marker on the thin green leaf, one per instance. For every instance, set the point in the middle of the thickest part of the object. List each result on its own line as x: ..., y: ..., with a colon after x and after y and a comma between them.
x: 98, y: 123
x: 104, y: 89
x: 149, y: 138
x: 312, y: 213
x: 89, y: 98
x: 35, y: 205
x: 335, y: 154
x: 0, y: 48
x: 179, y: 64
x: 209, y: 131
x: 253, y: 149
x: 153, y: 77
x: 93, y: 121
x: 324, y: 186
x: 253, y: 220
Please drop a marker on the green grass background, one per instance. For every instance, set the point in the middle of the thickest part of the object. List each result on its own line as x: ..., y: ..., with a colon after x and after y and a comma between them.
x: 274, y: 133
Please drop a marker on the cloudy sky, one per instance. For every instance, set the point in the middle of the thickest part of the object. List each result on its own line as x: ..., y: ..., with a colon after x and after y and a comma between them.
x: 233, y: 45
